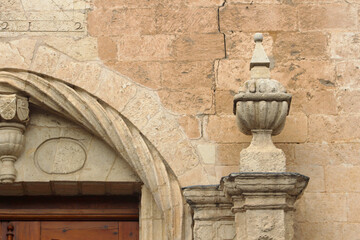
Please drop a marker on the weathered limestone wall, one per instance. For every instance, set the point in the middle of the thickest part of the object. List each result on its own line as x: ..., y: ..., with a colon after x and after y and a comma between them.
x: 195, y: 54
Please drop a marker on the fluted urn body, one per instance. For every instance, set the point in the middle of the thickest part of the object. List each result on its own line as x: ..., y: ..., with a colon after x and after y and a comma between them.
x: 261, y: 107
x: 261, y: 104
x: 11, y: 146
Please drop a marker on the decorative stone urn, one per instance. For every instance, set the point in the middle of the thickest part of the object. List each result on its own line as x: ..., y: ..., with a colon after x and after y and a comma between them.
x: 14, y: 114
x: 259, y: 200
x: 261, y: 107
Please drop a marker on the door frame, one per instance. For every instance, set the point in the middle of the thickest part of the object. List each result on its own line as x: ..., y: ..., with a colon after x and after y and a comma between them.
x: 64, y: 208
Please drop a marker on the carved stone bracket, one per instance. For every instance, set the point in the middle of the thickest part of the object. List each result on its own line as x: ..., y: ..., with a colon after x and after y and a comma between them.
x: 14, y: 115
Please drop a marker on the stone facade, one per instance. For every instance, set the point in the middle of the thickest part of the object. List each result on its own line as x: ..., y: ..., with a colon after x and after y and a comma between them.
x: 172, y: 68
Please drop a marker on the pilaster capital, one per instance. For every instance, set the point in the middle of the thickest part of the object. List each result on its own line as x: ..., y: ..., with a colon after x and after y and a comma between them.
x: 14, y: 108
x: 208, y: 202
x: 250, y: 191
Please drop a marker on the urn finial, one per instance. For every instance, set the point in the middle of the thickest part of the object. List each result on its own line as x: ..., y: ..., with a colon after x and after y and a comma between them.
x: 261, y: 107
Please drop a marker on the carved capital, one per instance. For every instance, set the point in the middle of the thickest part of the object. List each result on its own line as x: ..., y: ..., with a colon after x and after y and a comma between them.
x: 208, y: 203
x: 14, y: 108
x: 273, y: 190
x: 14, y: 115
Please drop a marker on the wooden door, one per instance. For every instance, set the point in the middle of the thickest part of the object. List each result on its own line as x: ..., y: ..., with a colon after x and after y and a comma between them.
x: 69, y: 218
x: 70, y: 230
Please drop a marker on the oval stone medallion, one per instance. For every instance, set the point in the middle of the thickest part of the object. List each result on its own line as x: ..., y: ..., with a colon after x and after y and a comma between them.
x: 60, y: 156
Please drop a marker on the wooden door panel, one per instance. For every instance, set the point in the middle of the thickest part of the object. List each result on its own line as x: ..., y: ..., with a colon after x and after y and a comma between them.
x: 23, y: 230
x: 128, y: 230
x: 70, y: 230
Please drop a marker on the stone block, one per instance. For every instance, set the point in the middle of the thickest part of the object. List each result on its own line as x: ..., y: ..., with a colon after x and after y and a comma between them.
x: 289, y: 151
x: 327, y: 154
x: 258, y: 17
x: 188, y: 101
x: 126, y: 3
x: 348, y: 74
x: 143, y: 72
x: 331, y: 128
x: 11, y: 57
x: 342, y: 178
x: 185, y: 74
x: 195, y: 176
x: 186, y: 20
x: 327, y: 17
x: 325, y: 207
x: 67, y: 69
x: 305, y: 75
x: 231, y: 74
x: 229, y: 154
x: 345, y: 45
x: 120, y: 21
x: 351, y: 231
x: 89, y: 77
x: 353, y: 208
x: 191, y: 125
x: 295, y: 129
x: 107, y: 48
x: 316, y: 102
x: 81, y: 49
x: 204, y: 3
x: 300, y: 46
x: 224, y: 102
x: 239, y: 45
x: 349, y: 101
x: 312, y: 231
x: 223, y: 129
x: 145, y: 47
x: 257, y: 1
x: 112, y: 86
x: 207, y: 152
x: 199, y: 47
x: 45, y: 60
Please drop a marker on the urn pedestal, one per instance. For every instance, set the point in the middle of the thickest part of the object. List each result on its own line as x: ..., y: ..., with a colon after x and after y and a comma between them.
x: 263, y: 203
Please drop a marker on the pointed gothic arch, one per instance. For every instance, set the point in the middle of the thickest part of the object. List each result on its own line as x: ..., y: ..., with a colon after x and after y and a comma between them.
x: 113, y: 128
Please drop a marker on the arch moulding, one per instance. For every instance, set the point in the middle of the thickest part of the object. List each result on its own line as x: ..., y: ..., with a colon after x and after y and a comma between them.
x: 125, y: 115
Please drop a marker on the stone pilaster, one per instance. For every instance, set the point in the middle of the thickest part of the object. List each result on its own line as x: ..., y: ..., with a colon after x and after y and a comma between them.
x: 212, y: 215
x: 263, y: 203
x: 14, y: 115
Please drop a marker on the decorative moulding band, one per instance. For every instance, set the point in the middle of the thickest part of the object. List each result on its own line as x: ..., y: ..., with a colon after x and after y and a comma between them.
x: 278, y: 96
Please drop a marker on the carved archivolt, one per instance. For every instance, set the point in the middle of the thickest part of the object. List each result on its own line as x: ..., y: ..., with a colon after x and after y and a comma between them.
x: 105, y: 122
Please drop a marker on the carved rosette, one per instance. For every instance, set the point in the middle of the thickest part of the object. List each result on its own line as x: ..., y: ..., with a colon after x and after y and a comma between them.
x: 14, y: 115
